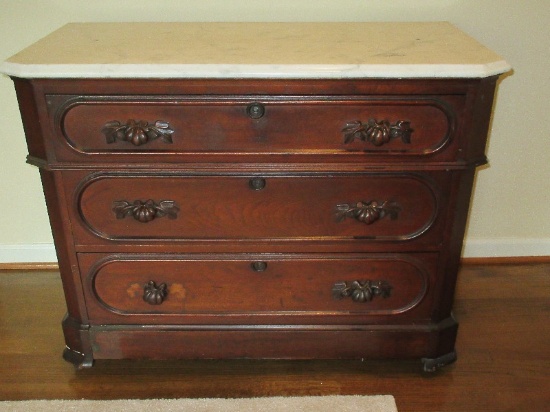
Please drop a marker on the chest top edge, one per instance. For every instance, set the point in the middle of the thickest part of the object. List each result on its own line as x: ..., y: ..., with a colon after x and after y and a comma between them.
x: 256, y: 50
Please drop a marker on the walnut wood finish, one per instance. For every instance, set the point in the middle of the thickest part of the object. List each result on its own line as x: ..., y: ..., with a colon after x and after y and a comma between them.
x: 452, y: 95
x: 218, y: 290
x: 287, y: 124
x: 503, y: 346
x: 225, y: 208
x: 190, y: 212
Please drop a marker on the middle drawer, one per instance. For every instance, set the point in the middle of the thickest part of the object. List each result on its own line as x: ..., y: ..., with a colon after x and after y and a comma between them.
x: 380, y: 207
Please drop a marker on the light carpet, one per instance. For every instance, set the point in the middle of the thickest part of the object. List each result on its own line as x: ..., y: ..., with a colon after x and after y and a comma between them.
x: 378, y: 403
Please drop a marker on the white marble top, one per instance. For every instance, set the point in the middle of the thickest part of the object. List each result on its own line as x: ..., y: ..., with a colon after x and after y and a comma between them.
x: 255, y: 50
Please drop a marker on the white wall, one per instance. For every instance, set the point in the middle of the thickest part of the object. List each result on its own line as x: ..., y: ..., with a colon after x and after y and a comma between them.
x: 510, y: 214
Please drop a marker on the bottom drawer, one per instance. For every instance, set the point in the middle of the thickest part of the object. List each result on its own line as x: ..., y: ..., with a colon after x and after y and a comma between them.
x: 255, y: 289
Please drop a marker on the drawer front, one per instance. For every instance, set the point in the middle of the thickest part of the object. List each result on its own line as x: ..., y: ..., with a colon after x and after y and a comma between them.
x: 415, y: 126
x: 207, y: 288
x: 141, y: 208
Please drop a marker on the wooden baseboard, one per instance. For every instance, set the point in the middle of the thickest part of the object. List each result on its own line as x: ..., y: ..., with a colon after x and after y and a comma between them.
x: 503, y: 260
x: 28, y: 266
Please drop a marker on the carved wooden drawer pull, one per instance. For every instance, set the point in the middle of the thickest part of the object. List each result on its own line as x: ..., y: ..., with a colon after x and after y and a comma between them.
x: 145, y: 211
x: 361, y: 290
x: 153, y: 294
x: 137, y: 132
x: 367, y: 212
x: 377, y: 132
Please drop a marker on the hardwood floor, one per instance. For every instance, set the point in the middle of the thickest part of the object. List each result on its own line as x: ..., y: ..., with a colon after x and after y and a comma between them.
x: 503, y: 348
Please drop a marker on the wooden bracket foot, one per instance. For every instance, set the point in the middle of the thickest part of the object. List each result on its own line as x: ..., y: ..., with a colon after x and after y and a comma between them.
x: 78, y: 359
x: 432, y: 365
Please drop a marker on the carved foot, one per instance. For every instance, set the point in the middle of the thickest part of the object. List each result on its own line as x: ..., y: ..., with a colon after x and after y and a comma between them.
x: 79, y: 360
x: 432, y: 365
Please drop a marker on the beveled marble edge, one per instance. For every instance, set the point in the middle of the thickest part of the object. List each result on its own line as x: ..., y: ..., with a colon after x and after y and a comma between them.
x: 261, y: 71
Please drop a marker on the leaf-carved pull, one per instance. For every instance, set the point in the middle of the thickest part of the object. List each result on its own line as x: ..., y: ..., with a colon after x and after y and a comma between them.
x: 367, y: 212
x: 145, y: 211
x: 377, y: 132
x: 153, y: 294
x: 361, y: 290
x: 137, y: 132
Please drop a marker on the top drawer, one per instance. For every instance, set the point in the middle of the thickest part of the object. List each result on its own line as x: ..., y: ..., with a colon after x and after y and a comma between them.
x: 301, y: 127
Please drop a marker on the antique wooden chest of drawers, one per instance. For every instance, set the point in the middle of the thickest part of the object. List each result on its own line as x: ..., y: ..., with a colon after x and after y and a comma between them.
x: 302, y: 196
